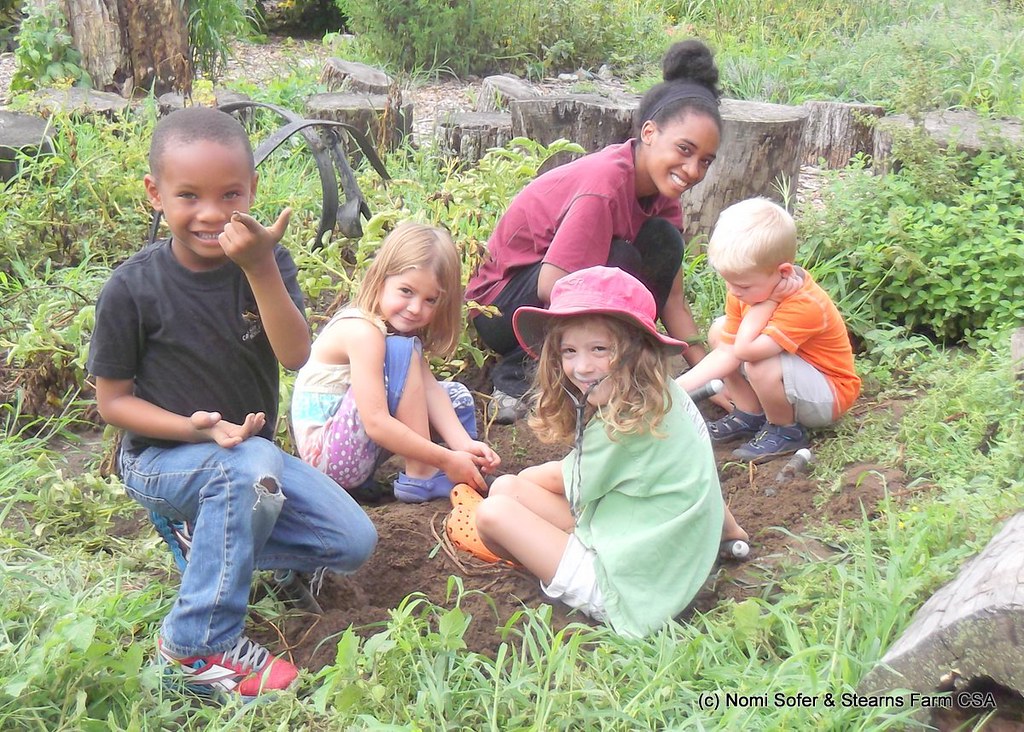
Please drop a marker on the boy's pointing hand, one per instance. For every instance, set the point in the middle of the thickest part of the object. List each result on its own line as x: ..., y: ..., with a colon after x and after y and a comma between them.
x: 248, y: 243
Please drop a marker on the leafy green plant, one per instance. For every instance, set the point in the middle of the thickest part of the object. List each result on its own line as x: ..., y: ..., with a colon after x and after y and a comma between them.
x: 45, y: 55
x: 936, y: 253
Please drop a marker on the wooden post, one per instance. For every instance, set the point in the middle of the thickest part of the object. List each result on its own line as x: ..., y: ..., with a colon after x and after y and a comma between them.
x: 1017, y: 352
x: 760, y: 147
x: 587, y: 119
x: 21, y: 134
x: 352, y: 76
x: 971, y: 628
x: 469, y: 135
x: 366, y: 112
x: 836, y: 131
x: 498, y: 92
x: 127, y: 46
x: 965, y: 130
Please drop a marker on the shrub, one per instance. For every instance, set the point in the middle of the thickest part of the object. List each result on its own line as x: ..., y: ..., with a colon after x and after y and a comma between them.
x: 489, y: 35
x: 937, y: 247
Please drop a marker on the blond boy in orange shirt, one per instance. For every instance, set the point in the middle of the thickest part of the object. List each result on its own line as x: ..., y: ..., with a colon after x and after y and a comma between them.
x: 782, y: 347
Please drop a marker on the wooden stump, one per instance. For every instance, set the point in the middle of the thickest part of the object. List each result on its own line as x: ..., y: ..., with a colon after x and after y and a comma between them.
x: 964, y: 130
x: 127, y: 46
x: 20, y: 135
x: 1017, y: 352
x: 368, y: 113
x: 353, y: 76
x: 78, y: 102
x: 498, y: 92
x: 590, y: 120
x: 761, y: 145
x: 971, y: 628
x: 469, y: 135
x: 836, y: 131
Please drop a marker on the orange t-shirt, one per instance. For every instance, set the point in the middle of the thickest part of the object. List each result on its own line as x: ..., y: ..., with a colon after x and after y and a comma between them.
x: 808, y: 324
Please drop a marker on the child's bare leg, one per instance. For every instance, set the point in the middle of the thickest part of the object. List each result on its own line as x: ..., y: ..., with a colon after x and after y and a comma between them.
x: 412, y: 412
x: 537, y: 496
x: 766, y: 380
x: 513, y: 531
x: 731, y: 528
x: 741, y: 394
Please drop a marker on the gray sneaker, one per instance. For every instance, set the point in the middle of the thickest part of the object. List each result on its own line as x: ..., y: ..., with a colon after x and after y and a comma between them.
x: 507, y: 409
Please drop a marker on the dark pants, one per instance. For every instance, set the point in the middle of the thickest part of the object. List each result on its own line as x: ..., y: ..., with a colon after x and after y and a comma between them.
x: 654, y: 259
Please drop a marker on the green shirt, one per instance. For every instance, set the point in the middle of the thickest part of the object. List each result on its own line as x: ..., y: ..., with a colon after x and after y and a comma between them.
x: 651, y: 509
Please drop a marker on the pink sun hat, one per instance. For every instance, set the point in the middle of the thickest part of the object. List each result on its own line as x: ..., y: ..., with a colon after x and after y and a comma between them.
x: 592, y: 291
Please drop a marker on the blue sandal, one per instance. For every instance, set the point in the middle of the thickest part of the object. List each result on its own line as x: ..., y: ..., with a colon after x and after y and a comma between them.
x: 420, y: 490
x: 735, y: 424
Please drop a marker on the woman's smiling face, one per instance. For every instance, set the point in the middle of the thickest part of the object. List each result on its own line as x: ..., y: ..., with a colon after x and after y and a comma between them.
x: 674, y: 156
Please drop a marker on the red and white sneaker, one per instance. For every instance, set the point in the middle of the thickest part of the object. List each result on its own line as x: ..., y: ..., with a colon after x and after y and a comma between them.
x: 248, y: 669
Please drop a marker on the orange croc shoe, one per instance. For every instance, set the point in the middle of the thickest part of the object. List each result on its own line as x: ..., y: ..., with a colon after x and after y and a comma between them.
x: 465, y: 495
x: 460, y: 526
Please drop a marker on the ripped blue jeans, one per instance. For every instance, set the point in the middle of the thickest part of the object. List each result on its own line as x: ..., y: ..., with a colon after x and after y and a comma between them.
x: 250, y: 507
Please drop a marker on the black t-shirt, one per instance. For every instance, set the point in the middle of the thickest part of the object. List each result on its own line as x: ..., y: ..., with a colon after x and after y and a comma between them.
x: 190, y: 340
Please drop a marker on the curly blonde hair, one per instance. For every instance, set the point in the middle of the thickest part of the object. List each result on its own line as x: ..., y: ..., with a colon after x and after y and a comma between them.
x: 638, y: 376
x: 418, y: 246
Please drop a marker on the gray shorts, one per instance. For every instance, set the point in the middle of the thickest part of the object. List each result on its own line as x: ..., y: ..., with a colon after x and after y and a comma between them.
x: 808, y: 390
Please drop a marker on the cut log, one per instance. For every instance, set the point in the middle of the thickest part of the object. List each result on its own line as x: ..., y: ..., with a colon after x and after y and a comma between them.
x: 760, y: 152
x: 95, y: 27
x: 469, y: 135
x: 498, y: 92
x: 590, y: 120
x: 78, y: 102
x: 368, y: 113
x: 836, y: 131
x: 964, y: 130
x: 127, y: 46
x: 21, y: 135
x: 1017, y: 352
x: 971, y: 628
x: 340, y: 75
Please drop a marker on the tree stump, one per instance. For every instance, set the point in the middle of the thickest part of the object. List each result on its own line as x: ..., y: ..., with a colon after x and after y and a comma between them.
x: 1017, y: 352
x: 132, y: 45
x: 353, y: 76
x: 836, y: 131
x: 79, y: 102
x: 590, y: 120
x: 368, y: 113
x: 498, y: 92
x: 761, y: 146
x: 469, y: 135
x: 172, y: 101
x: 962, y: 129
x: 971, y: 628
x: 21, y: 135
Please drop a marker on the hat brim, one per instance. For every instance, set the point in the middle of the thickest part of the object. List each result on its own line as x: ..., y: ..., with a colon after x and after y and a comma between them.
x: 530, y: 324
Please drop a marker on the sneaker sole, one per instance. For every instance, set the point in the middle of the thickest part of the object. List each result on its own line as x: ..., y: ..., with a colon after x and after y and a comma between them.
x: 177, y: 682
x: 765, y: 457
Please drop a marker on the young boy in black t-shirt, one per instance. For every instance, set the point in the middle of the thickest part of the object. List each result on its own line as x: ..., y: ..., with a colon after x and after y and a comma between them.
x: 188, y: 337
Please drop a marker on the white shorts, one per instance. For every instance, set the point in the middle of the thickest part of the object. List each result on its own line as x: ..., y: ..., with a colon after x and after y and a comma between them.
x: 808, y: 390
x: 575, y: 581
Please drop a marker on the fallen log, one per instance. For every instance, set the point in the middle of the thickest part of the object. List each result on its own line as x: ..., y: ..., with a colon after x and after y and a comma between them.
x: 972, y: 628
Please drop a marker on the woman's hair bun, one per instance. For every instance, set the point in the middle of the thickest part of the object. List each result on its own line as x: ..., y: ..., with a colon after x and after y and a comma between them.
x: 690, y: 60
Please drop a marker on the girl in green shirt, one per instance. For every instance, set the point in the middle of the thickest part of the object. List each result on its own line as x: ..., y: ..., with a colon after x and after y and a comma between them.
x: 627, y: 526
